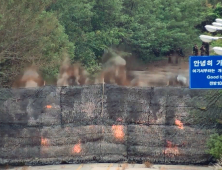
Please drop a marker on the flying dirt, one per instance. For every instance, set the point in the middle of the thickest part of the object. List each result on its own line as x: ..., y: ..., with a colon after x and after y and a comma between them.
x: 71, y: 75
x: 30, y: 78
x: 115, y: 70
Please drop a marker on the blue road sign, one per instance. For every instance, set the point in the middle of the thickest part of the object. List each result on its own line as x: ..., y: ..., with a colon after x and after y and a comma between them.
x: 205, y: 72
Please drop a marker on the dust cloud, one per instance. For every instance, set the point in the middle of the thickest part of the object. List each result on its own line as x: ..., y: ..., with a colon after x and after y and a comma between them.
x: 30, y: 78
x: 72, y: 74
x: 130, y: 72
x: 116, y: 69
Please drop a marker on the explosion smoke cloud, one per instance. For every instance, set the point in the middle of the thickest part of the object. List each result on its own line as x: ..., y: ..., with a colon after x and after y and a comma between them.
x: 30, y: 78
x: 115, y: 70
x: 72, y: 74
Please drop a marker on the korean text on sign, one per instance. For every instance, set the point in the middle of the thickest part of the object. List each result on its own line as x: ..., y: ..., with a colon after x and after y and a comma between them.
x: 205, y: 72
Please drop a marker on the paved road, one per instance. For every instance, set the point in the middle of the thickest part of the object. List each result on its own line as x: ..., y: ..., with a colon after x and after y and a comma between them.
x: 111, y: 167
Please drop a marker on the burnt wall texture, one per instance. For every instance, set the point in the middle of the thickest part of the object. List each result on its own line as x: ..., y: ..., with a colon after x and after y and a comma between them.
x: 97, y: 123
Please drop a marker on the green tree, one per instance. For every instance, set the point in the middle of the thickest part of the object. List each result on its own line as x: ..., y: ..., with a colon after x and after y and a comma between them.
x: 215, y: 12
x: 75, y: 16
x: 215, y: 145
x: 92, y: 25
x: 163, y: 24
x: 29, y: 35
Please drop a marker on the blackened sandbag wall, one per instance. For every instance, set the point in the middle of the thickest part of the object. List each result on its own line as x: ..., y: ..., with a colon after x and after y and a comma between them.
x: 100, y: 123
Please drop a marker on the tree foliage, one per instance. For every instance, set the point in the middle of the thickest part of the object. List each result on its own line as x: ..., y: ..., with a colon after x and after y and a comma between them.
x: 94, y: 25
x: 91, y: 25
x: 164, y: 25
x: 39, y: 32
x: 30, y: 35
x: 215, y: 145
x: 216, y: 12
